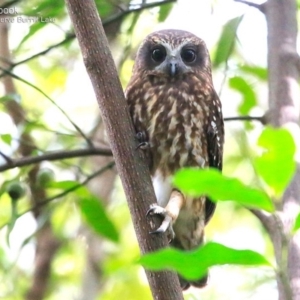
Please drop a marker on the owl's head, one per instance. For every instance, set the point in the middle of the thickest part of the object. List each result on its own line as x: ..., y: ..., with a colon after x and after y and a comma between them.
x: 172, y: 53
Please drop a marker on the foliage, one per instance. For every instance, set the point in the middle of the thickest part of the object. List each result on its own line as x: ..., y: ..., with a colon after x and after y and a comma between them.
x: 218, y: 187
x: 192, y: 265
x: 280, y: 146
x: 46, y: 63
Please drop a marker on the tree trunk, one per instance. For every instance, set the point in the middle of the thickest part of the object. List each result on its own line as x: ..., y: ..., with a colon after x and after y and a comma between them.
x: 284, y: 99
x: 132, y: 169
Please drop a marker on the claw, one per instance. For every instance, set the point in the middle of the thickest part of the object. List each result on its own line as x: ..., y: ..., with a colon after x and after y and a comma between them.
x: 143, y: 146
x: 166, y: 225
x: 156, y: 210
x: 142, y: 139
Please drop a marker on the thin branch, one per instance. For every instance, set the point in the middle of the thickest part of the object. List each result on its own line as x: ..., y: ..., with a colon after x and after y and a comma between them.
x: 74, y: 187
x: 65, y: 192
x: 124, y: 13
x: 245, y: 118
x: 69, y: 37
x: 265, y: 218
x: 52, y: 101
x: 55, y: 155
x: 6, y: 158
x: 260, y: 7
x: 106, y: 22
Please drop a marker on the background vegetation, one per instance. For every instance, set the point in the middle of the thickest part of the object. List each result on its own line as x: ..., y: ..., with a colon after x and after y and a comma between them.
x: 65, y: 226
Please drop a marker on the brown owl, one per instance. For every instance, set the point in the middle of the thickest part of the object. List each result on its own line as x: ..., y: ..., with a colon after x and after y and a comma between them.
x: 178, y: 120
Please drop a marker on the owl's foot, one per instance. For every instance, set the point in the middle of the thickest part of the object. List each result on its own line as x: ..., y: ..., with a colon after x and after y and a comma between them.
x: 142, y: 139
x: 166, y: 225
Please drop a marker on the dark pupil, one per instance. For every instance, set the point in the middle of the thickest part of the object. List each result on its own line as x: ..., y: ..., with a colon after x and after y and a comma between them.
x: 188, y: 55
x: 158, y: 54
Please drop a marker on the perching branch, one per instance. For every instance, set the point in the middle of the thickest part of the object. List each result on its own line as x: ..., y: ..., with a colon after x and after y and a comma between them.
x: 132, y: 169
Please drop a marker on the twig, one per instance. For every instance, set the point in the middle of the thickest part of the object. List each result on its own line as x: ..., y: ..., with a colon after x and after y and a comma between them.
x: 68, y: 38
x: 260, y: 7
x: 265, y: 218
x: 6, y: 158
x: 52, y: 101
x: 105, y: 22
x: 124, y: 13
x: 67, y: 191
x: 55, y: 155
x: 244, y: 118
x: 74, y: 187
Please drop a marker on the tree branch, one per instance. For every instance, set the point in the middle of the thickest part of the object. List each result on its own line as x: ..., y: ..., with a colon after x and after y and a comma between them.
x: 284, y: 95
x: 55, y: 155
x: 75, y: 187
x: 133, y: 170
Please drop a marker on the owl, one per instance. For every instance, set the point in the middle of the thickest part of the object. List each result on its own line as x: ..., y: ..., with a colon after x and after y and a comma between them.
x: 178, y: 121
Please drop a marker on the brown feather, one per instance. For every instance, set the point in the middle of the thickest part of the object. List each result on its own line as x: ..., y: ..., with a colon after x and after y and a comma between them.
x: 182, y: 120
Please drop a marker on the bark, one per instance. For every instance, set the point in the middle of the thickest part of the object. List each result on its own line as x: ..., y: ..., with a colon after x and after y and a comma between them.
x: 284, y: 99
x: 132, y: 169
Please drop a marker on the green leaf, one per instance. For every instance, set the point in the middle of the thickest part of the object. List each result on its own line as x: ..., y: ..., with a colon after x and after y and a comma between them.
x: 164, y: 11
x: 194, y: 264
x: 249, y: 98
x: 227, y: 40
x: 259, y: 72
x: 63, y: 185
x: 297, y: 223
x: 276, y: 165
x: 95, y: 216
x: 6, y: 138
x: 210, y: 182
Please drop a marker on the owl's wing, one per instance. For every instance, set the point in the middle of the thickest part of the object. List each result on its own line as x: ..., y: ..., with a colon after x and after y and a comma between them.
x: 215, y: 137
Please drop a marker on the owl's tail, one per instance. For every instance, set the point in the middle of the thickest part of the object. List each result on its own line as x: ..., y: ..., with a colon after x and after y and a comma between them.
x: 185, y: 284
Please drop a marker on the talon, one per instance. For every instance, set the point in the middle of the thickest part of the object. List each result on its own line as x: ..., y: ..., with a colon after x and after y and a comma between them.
x: 155, y: 209
x: 142, y: 139
x: 166, y: 225
x: 143, y: 146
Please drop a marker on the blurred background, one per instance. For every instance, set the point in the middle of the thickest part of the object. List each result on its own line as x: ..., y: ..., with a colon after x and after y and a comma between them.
x: 50, y: 247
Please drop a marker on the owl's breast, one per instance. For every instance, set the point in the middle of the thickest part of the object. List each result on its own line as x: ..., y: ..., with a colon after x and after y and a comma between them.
x: 175, y: 123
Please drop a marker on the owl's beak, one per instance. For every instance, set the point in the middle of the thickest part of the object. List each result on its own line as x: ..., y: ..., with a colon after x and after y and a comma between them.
x: 173, y: 67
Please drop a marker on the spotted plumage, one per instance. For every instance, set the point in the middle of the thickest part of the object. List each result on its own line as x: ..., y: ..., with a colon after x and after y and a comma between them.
x: 177, y: 115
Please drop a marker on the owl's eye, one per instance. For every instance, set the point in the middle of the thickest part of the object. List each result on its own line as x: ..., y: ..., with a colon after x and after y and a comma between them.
x: 188, y: 55
x: 159, y: 54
